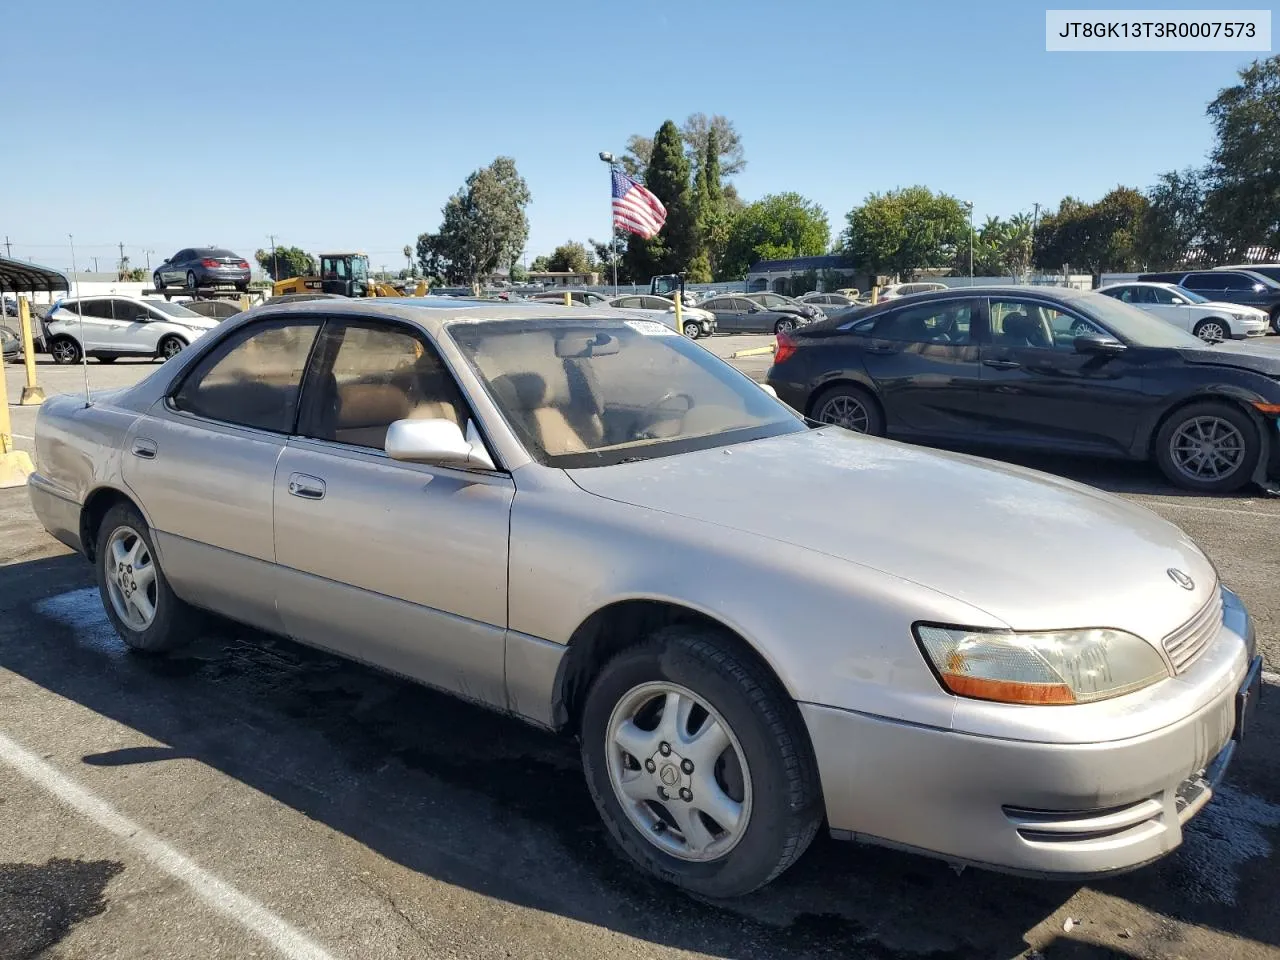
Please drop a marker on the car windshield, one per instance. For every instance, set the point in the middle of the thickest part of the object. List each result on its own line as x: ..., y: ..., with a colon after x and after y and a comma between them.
x: 173, y: 309
x: 1189, y: 295
x: 601, y: 392
x: 1136, y: 327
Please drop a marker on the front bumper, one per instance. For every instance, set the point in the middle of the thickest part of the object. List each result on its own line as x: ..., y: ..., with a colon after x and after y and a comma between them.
x: 1057, y: 810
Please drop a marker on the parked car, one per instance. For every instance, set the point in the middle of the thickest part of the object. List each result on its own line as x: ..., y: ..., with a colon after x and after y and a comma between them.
x: 117, y: 326
x: 926, y: 650
x: 697, y: 323
x: 194, y: 267
x: 1040, y: 368
x: 1184, y: 308
x: 892, y: 291
x: 776, y: 301
x: 10, y: 344
x: 735, y: 313
x: 586, y: 298
x: 214, y: 309
x: 851, y: 292
x: 1228, y: 286
x: 1269, y: 270
x: 828, y: 303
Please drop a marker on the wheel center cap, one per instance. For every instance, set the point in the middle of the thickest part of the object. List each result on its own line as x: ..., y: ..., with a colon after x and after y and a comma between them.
x: 669, y: 774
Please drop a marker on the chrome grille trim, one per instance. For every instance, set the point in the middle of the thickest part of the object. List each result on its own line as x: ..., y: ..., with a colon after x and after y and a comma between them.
x: 1185, y: 644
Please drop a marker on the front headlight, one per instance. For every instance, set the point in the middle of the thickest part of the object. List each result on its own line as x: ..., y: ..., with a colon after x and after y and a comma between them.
x: 1070, y: 666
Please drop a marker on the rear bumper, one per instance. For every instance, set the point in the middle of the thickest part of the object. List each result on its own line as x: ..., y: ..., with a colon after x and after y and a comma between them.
x: 1049, y: 810
x: 57, y: 513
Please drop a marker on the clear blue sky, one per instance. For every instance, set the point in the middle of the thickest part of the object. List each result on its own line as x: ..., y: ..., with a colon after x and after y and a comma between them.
x: 339, y: 124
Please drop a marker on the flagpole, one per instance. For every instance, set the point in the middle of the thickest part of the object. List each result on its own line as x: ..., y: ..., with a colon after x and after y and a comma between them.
x: 613, y: 230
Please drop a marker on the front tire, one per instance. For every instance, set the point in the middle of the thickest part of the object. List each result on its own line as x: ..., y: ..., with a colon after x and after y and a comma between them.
x: 784, y: 326
x: 699, y: 763
x: 851, y: 407
x: 169, y: 348
x: 158, y: 282
x: 1212, y: 330
x: 692, y: 330
x: 1209, y: 447
x: 64, y: 350
x: 135, y: 592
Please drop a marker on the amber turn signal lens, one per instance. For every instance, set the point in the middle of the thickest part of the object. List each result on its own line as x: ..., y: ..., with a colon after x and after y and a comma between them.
x: 1007, y: 691
x: 1273, y: 408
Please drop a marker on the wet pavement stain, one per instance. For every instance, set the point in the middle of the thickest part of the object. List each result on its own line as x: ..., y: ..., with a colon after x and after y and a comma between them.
x: 40, y: 903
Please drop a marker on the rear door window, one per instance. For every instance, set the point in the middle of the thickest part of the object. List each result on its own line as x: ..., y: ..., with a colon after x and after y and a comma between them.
x: 253, y: 378
x: 944, y: 323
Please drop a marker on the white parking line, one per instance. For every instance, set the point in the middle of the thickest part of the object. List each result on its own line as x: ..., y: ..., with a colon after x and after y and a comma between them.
x: 22, y: 436
x: 288, y: 940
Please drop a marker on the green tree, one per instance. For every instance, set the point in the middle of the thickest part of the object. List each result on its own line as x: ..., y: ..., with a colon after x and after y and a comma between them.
x: 777, y: 226
x: 286, y: 262
x: 1242, y: 200
x: 697, y: 133
x: 541, y: 264
x: 484, y: 226
x: 1173, y: 223
x: 636, y: 159
x: 711, y: 212
x: 570, y: 257
x: 1102, y: 237
x: 902, y: 231
x: 518, y: 273
x: 667, y: 176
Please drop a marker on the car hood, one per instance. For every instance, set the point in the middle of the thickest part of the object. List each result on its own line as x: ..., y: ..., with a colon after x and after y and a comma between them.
x: 1232, y: 353
x: 1031, y: 550
x: 1232, y: 308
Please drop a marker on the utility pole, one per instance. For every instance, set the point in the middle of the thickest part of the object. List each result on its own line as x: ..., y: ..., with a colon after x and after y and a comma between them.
x: 148, y: 253
x: 1035, y: 219
x: 8, y: 248
x: 969, y: 204
x: 95, y: 264
x: 73, y: 252
x: 275, y: 267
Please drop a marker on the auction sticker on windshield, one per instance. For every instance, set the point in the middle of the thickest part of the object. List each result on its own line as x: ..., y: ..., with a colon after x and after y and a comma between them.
x: 651, y: 328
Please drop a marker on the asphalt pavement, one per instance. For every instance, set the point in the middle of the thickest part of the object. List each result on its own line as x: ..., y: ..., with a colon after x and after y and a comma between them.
x: 250, y: 797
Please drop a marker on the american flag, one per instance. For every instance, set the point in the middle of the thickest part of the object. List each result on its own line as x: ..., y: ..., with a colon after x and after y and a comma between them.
x: 635, y: 209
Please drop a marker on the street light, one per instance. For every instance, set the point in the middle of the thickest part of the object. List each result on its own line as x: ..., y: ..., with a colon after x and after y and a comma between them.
x: 607, y: 157
x: 969, y: 204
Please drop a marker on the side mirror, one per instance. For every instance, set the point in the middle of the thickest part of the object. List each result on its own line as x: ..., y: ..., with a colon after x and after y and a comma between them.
x: 1258, y: 287
x: 436, y: 441
x: 769, y: 390
x: 1099, y: 345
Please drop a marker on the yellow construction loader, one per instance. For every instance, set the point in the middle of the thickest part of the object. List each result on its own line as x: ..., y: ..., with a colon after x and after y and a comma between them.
x: 346, y: 274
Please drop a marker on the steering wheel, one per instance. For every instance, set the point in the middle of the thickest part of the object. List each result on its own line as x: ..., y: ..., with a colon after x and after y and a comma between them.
x: 667, y: 398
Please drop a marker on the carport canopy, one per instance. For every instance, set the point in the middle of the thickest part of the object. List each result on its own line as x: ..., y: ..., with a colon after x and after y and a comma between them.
x: 18, y: 276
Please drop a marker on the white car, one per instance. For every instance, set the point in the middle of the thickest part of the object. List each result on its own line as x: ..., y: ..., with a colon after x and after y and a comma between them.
x: 120, y: 326
x: 1209, y: 320
x: 892, y: 291
x: 697, y: 323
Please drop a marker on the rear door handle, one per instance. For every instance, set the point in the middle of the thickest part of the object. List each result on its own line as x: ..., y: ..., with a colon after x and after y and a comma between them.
x: 144, y: 448
x: 306, y: 487
x: 1002, y: 364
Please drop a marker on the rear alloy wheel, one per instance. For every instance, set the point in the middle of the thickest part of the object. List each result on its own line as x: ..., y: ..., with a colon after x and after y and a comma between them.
x: 191, y: 279
x: 139, y: 602
x: 1211, y: 447
x: 64, y: 350
x: 1212, y: 330
x: 692, y: 329
x: 699, y: 763
x: 784, y: 326
x: 170, y: 347
x: 850, y: 407
x: 1275, y: 320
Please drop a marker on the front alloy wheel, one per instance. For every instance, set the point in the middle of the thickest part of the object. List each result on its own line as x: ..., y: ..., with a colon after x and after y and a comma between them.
x: 1211, y: 331
x: 678, y: 772
x: 692, y: 330
x: 1207, y: 449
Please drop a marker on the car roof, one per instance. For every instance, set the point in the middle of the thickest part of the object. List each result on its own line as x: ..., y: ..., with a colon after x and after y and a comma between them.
x: 1138, y: 283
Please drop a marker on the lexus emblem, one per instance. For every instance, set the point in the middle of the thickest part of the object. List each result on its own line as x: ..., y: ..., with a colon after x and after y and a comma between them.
x: 1181, y: 579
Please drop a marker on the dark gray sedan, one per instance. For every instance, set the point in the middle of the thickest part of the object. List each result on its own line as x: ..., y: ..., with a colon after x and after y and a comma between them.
x: 736, y: 314
x: 194, y: 267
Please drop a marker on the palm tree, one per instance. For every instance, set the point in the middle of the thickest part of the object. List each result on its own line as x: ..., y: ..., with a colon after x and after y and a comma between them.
x: 408, y: 259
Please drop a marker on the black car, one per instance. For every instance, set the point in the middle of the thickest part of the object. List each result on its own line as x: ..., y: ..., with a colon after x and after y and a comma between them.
x: 195, y: 267
x: 1042, y: 369
x: 735, y: 313
x: 776, y: 301
x: 1225, y: 285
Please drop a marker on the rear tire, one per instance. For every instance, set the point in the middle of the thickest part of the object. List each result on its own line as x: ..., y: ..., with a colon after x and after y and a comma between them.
x: 125, y: 554
x: 764, y: 757
x: 64, y: 350
x: 849, y: 406
x: 1210, y: 447
x: 191, y: 279
x: 1275, y: 320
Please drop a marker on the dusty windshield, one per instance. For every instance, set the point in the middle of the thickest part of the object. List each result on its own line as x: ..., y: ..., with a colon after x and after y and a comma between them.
x: 601, y: 392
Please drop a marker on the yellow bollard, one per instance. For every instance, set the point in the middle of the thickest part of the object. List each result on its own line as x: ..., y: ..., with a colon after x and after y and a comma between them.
x: 244, y: 301
x: 32, y: 393
x: 679, y: 313
x: 568, y: 299
x: 15, y: 465
x: 875, y: 295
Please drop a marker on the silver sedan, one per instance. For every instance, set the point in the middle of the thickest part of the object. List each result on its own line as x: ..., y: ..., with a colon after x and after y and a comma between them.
x: 754, y: 628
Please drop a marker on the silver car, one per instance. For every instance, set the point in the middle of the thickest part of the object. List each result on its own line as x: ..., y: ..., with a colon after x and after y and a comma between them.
x: 753, y: 628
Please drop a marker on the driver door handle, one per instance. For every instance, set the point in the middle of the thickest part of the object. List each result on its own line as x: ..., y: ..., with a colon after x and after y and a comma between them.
x: 881, y: 350
x: 1002, y: 364
x: 306, y: 487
